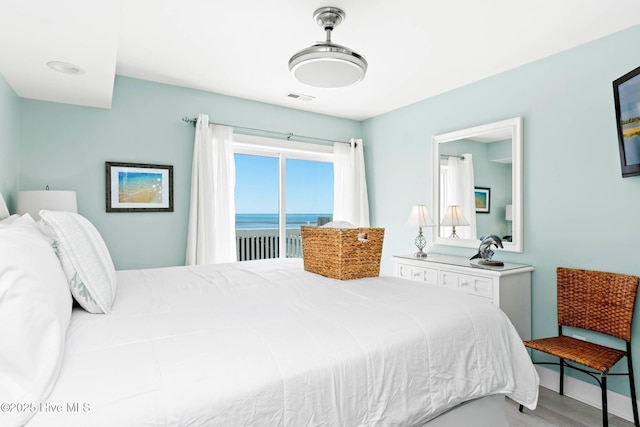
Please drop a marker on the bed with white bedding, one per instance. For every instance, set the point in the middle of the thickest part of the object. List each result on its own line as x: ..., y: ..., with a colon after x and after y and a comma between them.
x: 265, y: 343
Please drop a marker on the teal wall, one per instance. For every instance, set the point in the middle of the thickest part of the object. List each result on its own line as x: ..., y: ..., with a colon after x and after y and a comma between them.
x: 65, y: 147
x: 578, y: 210
x: 9, y: 137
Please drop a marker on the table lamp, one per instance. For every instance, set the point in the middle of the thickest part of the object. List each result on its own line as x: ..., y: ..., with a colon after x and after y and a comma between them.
x: 454, y: 217
x: 420, y: 217
x: 32, y: 202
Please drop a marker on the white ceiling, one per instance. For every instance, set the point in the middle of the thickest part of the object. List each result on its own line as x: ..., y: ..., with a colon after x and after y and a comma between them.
x: 415, y: 48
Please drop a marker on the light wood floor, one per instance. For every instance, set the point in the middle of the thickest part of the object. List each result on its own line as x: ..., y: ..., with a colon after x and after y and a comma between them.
x: 556, y: 410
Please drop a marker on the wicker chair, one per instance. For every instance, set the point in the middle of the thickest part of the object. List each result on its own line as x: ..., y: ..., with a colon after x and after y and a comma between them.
x: 596, y: 301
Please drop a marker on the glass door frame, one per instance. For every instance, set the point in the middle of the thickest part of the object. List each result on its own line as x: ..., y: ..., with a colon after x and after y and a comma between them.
x: 283, y: 150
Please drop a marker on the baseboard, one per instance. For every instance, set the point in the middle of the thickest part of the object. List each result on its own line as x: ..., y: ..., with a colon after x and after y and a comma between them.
x: 619, y: 404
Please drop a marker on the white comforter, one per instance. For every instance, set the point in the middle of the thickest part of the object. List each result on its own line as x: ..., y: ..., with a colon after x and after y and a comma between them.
x: 265, y: 343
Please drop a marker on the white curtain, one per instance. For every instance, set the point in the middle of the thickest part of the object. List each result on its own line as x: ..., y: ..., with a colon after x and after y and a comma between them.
x: 461, y: 191
x: 211, y: 233
x: 4, y: 211
x: 350, y: 199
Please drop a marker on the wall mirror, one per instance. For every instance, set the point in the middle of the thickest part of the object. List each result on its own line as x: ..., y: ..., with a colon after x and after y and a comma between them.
x: 477, y: 185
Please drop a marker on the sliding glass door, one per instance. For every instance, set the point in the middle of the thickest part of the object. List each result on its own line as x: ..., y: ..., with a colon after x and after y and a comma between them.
x: 277, y: 191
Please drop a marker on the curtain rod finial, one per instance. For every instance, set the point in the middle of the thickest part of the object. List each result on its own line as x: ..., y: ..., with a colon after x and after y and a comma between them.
x: 190, y: 120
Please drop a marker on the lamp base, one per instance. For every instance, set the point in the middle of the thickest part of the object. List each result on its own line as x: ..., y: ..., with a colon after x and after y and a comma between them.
x: 420, y: 243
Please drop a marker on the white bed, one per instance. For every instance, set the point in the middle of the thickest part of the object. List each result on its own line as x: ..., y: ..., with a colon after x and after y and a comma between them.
x: 265, y: 343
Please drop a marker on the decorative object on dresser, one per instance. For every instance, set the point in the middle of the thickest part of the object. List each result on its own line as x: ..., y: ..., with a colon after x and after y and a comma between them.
x: 508, y: 286
x: 454, y: 217
x: 32, y: 202
x: 136, y: 187
x: 420, y: 217
x: 595, y: 301
x: 485, y: 253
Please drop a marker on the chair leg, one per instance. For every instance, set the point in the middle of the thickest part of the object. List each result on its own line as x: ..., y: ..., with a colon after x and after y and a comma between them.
x: 561, y: 377
x: 632, y: 385
x: 605, y: 409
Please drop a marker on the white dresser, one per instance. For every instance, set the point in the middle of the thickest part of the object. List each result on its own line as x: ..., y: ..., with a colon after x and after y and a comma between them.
x: 508, y: 286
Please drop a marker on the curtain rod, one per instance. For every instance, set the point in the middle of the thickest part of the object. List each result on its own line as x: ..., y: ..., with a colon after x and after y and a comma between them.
x: 251, y: 131
x: 446, y: 156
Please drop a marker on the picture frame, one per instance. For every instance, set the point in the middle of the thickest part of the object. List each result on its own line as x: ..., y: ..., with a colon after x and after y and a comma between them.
x: 626, y: 94
x: 483, y: 199
x: 138, y: 187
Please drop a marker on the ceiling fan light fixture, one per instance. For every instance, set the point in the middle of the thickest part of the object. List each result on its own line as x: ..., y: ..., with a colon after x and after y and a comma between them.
x: 326, y: 64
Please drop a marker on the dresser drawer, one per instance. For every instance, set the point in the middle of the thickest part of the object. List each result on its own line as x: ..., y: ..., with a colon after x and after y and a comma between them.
x: 508, y: 287
x: 474, y: 285
x: 421, y: 274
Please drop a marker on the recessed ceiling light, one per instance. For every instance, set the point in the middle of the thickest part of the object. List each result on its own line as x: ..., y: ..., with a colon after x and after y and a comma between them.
x: 65, y: 67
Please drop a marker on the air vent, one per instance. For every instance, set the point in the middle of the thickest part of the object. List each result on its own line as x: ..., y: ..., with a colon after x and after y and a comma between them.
x: 301, y: 97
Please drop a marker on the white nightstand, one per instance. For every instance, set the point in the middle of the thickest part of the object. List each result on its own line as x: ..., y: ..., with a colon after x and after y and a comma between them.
x: 508, y: 287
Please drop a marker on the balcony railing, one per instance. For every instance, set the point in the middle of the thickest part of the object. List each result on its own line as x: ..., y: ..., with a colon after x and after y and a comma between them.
x: 265, y: 243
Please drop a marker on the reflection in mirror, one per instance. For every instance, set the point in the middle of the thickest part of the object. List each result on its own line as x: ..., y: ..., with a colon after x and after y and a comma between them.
x: 480, y: 170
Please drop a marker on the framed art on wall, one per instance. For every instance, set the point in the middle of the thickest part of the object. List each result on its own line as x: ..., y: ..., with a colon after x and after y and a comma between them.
x: 483, y: 199
x: 626, y: 95
x: 137, y: 187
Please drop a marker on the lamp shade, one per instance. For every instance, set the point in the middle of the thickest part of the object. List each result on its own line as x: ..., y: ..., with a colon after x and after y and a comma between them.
x: 508, y: 213
x: 32, y: 202
x: 420, y: 217
x: 454, y: 216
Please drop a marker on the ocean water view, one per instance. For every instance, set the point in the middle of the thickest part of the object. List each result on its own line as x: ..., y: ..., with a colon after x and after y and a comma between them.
x: 270, y: 221
x: 140, y: 187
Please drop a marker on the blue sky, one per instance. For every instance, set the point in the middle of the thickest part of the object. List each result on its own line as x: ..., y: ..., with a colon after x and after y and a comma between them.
x: 309, y: 185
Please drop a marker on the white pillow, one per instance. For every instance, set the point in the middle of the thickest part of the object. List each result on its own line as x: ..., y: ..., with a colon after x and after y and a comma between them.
x: 4, y: 212
x: 35, y: 310
x: 339, y: 224
x: 85, y: 260
x: 10, y: 219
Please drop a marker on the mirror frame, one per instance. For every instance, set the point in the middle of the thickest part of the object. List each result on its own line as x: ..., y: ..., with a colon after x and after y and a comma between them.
x: 514, y: 125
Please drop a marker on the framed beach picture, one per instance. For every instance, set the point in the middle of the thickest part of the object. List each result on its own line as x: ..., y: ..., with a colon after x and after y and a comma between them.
x: 135, y: 187
x: 626, y: 94
x: 483, y: 199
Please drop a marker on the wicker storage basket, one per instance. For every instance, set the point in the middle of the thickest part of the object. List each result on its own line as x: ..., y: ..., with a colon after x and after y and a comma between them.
x: 339, y: 254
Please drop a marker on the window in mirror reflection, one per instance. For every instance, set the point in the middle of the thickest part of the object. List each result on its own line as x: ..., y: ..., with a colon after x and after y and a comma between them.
x: 456, y: 189
x: 466, y: 164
